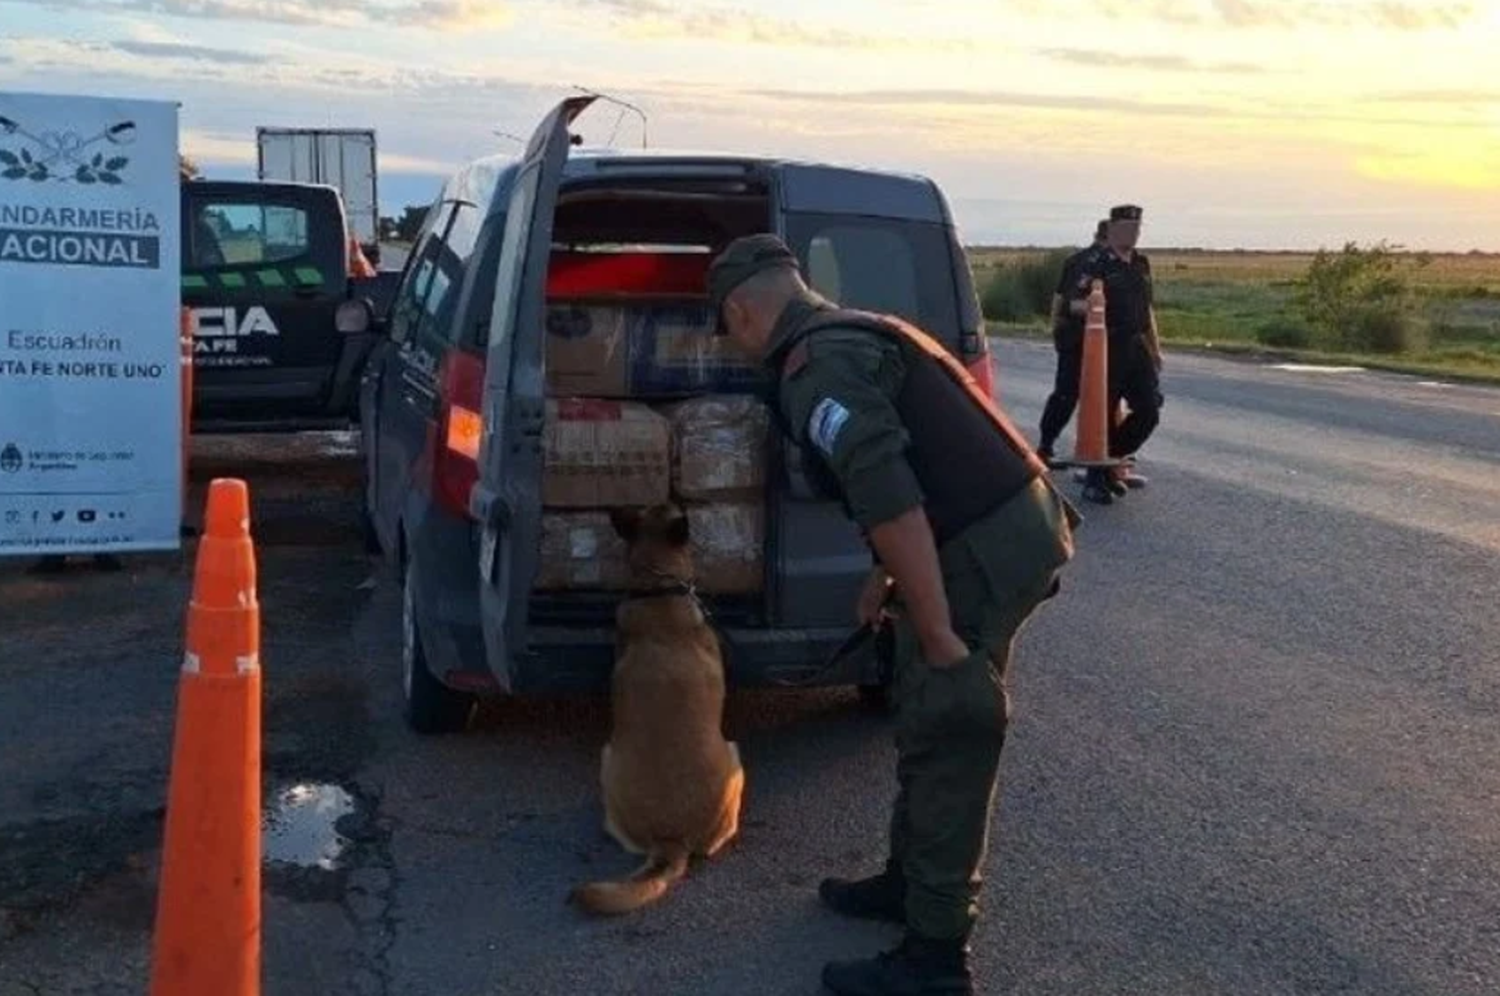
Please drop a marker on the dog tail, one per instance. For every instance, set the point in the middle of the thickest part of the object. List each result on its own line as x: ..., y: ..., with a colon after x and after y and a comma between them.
x: 664, y: 865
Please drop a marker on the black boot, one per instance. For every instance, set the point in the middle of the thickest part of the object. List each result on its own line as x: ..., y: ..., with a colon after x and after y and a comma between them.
x: 919, y: 967
x: 1096, y: 488
x: 881, y: 897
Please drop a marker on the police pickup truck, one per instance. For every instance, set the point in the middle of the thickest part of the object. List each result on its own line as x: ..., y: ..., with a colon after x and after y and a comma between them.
x: 278, y: 310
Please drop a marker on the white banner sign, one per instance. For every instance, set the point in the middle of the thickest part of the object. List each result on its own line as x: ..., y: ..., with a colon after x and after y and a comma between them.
x: 90, y: 291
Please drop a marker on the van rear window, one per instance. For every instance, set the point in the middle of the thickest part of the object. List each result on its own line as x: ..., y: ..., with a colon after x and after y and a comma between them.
x: 879, y: 264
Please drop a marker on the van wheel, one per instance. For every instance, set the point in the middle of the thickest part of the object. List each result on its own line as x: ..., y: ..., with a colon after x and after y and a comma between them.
x: 431, y: 706
x: 878, y: 698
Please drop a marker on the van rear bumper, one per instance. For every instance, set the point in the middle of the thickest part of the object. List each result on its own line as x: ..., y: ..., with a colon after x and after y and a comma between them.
x: 575, y: 659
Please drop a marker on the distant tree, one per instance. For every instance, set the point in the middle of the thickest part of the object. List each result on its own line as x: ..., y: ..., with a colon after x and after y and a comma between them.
x: 411, y: 223
x: 187, y: 169
x: 389, y: 229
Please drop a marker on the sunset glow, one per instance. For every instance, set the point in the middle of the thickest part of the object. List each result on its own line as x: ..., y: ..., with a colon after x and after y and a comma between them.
x: 1256, y: 123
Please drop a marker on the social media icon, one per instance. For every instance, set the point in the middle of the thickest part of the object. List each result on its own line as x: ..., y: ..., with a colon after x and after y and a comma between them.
x: 59, y: 515
x: 12, y: 517
x: 86, y: 515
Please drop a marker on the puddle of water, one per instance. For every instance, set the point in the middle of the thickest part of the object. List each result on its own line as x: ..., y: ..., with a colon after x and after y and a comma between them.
x: 1315, y: 368
x: 298, y: 826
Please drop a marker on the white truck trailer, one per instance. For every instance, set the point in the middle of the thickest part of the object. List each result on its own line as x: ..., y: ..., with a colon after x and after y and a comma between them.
x: 343, y: 158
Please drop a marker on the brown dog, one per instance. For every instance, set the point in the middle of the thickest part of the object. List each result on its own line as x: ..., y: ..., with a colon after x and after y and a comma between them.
x: 672, y: 783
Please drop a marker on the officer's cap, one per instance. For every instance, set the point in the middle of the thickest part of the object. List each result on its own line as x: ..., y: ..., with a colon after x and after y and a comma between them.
x: 742, y: 259
x: 1125, y: 212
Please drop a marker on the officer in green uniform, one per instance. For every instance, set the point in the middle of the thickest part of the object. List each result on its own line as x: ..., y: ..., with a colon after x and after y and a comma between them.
x: 968, y: 538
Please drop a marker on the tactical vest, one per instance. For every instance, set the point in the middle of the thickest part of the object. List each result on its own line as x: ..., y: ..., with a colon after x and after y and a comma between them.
x: 967, y: 456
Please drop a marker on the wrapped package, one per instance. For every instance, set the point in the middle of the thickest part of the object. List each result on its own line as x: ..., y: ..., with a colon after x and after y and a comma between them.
x: 580, y: 550
x: 719, y: 447
x: 587, y: 350
x: 674, y: 349
x: 605, y: 454
x: 728, y: 542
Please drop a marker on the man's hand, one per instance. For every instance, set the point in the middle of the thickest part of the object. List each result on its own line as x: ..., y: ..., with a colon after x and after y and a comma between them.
x: 943, y: 649
x: 906, y: 549
x: 872, y: 598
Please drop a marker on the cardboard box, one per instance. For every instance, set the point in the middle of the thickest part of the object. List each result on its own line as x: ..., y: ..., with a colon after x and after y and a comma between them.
x: 674, y: 350
x: 605, y: 454
x: 728, y: 542
x: 587, y: 351
x: 581, y: 550
x: 719, y: 447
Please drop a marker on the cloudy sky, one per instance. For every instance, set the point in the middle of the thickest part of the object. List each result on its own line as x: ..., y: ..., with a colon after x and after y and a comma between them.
x: 1249, y: 123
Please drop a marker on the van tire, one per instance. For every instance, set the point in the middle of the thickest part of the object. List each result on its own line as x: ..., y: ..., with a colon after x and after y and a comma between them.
x: 431, y: 706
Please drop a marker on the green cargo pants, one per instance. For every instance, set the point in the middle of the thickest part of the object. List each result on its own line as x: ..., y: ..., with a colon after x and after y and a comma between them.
x: 951, y: 722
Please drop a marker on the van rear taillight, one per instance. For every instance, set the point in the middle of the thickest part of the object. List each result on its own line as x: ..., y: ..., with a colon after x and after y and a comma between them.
x: 455, y: 463
x: 464, y: 429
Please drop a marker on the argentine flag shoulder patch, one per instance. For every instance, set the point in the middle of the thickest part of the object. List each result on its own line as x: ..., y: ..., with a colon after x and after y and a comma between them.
x: 826, y: 422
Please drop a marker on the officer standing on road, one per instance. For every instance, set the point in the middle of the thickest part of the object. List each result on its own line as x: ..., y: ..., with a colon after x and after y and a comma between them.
x: 1067, y: 339
x: 968, y: 538
x: 1134, y: 345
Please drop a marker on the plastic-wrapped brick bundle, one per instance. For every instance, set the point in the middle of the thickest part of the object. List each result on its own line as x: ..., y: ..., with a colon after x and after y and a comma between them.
x: 581, y: 550
x: 719, y: 447
x: 605, y: 454
x: 728, y: 543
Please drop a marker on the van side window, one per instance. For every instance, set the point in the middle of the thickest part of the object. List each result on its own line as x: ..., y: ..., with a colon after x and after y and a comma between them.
x: 410, y: 304
x: 450, y: 263
x: 479, y: 304
x: 877, y: 264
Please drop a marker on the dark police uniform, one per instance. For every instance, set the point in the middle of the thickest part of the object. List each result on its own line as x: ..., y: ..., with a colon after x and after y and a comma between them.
x: 886, y: 421
x: 1067, y: 339
x: 1129, y: 294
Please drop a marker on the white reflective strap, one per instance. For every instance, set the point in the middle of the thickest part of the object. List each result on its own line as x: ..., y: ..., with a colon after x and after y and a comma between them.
x: 191, y: 664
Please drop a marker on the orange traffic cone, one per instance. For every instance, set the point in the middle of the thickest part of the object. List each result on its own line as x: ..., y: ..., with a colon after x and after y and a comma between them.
x: 359, y: 263
x: 207, y: 938
x: 1091, y: 441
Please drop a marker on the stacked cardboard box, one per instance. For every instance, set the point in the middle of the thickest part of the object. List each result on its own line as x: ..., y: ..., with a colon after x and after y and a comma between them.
x: 728, y: 541
x: 719, y: 446
x: 605, y: 454
x: 588, y: 351
x: 718, y: 472
x: 640, y: 350
x: 581, y: 550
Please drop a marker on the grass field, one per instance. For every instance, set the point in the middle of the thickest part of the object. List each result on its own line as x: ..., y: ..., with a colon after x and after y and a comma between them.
x: 1224, y: 299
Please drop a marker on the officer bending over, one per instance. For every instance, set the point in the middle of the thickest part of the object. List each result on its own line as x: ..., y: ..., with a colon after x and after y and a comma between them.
x: 968, y: 538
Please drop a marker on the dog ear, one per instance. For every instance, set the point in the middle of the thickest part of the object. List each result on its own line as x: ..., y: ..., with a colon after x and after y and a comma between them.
x: 627, y: 523
x: 677, y: 530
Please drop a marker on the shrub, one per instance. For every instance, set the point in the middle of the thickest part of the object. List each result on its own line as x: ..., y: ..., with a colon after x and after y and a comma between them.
x: 1360, y: 296
x: 1023, y: 289
x: 1283, y: 333
x: 1003, y: 300
x: 1389, y: 332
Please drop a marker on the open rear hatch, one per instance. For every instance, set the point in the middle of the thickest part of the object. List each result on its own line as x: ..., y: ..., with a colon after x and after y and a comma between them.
x: 605, y: 386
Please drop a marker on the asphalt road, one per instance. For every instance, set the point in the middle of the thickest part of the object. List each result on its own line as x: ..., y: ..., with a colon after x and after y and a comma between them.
x: 1253, y: 751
